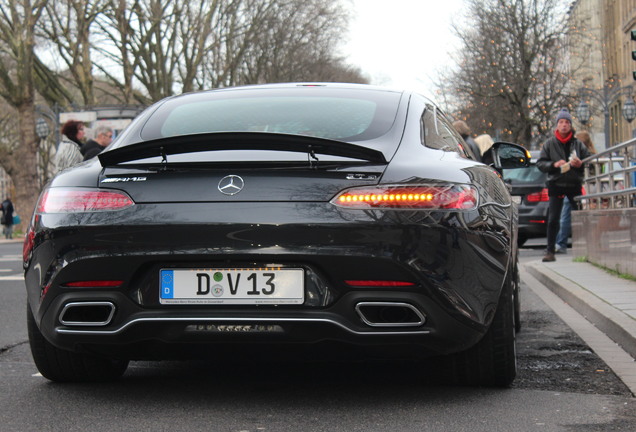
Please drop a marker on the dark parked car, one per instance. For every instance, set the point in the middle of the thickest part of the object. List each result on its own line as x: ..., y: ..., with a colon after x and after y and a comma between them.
x: 531, y: 194
x: 290, y: 217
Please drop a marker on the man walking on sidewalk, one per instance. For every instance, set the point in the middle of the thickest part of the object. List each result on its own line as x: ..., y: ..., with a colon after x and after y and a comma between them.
x: 561, y: 158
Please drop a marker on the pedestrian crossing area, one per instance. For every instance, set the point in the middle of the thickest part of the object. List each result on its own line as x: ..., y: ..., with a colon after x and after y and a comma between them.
x: 11, y: 268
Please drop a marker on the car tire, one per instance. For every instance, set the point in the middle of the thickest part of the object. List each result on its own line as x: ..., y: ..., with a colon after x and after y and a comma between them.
x: 492, y: 362
x: 66, y: 366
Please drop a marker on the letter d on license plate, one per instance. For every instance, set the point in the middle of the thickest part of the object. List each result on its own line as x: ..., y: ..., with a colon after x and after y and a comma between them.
x: 232, y: 286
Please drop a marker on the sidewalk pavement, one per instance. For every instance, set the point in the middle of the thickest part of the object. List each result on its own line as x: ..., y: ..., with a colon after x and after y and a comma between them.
x: 607, y: 301
x: 15, y: 239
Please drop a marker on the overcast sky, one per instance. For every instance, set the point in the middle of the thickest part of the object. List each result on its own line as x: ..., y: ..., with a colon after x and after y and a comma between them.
x: 402, y: 43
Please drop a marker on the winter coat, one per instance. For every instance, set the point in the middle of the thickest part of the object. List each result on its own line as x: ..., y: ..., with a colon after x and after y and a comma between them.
x: 68, y: 154
x: 91, y: 149
x: 553, y: 151
x: 7, y: 212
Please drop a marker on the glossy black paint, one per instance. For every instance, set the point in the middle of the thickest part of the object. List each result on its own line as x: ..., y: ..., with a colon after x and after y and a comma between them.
x: 456, y: 260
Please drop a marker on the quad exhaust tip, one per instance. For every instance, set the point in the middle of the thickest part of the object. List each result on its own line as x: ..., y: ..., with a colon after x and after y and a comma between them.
x: 390, y: 314
x: 87, y: 314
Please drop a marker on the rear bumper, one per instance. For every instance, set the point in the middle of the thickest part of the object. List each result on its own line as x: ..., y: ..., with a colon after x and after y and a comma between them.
x: 457, y: 264
x: 200, y: 329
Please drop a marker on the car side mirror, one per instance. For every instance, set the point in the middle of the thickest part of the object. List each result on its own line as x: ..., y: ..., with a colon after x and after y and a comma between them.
x: 505, y: 155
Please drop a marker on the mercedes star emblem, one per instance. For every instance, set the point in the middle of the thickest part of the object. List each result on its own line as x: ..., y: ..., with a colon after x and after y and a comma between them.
x: 231, y: 185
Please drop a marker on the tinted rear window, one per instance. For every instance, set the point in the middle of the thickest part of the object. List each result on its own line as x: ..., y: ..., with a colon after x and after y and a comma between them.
x: 337, y: 114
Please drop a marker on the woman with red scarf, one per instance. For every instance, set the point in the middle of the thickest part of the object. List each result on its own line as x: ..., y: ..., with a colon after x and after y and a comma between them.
x: 561, y: 157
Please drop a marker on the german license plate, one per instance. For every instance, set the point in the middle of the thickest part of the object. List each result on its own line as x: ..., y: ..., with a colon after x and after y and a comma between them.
x: 516, y: 199
x: 232, y: 286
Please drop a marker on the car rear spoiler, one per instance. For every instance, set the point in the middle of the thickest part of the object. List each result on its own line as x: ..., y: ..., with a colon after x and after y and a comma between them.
x: 238, y: 141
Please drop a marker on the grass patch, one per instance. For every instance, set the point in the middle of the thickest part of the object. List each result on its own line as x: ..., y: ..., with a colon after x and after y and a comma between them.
x: 616, y: 272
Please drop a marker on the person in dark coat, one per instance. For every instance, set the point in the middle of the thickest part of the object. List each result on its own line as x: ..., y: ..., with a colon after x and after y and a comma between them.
x: 565, y: 225
x: 93, y: 147
x: 560, y: 158
x: 7, y: 218
x: 464, y: 130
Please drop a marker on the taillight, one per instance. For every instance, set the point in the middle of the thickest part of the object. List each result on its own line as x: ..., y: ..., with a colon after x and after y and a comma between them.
x: 62, y: 200
x: 408, y: 197
x: 538, y: 196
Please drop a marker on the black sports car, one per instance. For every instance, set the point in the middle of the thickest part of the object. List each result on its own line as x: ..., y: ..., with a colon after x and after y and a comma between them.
x: 292, y: 217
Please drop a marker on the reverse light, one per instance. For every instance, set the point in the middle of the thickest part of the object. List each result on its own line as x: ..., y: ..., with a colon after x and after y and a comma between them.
x: 538, y: 196
x: 408, y: 197
x: 62, y: 200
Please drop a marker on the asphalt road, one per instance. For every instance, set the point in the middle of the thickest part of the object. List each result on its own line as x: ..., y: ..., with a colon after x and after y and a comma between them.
x: 562, y: 386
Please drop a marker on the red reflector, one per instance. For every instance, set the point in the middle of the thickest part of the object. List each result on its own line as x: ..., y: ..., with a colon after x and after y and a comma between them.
x: 538, y: 196
x: 541, y: 221
x: 94, y: 284
x: 61, y: 200
x: 429, y: 197
x: 377, y: 283
x: 27, y: 246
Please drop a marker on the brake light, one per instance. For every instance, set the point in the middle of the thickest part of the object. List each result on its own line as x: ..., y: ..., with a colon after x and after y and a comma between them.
x: 538, y: 196
x: 61, y: 200
x: 430, y: 197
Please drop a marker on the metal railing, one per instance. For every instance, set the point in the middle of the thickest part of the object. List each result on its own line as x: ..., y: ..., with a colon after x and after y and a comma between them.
x: 610, y: 178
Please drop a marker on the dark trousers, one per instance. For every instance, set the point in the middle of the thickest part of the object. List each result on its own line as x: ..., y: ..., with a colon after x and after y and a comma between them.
x: 557, y: 194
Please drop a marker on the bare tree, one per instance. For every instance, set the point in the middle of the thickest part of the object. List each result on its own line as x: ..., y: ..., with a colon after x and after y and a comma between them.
x: 298, y: 42
x: 160, y: 46
x: 173, y: 46
x: 67, y: 25
x: 142, y: 40
x: 511, y: 72
x: 18, y: 20
x: 200, y: 27
x: 239, y: 29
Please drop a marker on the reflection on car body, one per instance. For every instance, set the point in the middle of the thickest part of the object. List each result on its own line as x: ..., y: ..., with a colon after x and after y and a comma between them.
x: 359, y: 222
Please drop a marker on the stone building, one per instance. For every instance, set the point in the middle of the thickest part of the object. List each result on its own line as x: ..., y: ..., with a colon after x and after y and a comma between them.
x: 601, y: 65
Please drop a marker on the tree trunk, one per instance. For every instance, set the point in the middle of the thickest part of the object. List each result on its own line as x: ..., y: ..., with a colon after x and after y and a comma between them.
x: 24, y: 167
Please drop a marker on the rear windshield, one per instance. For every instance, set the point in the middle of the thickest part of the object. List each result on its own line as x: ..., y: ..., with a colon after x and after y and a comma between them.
x: 337, y: 114
x: 531, y: 175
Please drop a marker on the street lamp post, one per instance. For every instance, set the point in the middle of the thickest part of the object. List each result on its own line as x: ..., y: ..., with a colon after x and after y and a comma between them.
x: 42, y: 128
x: 608, y: 95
